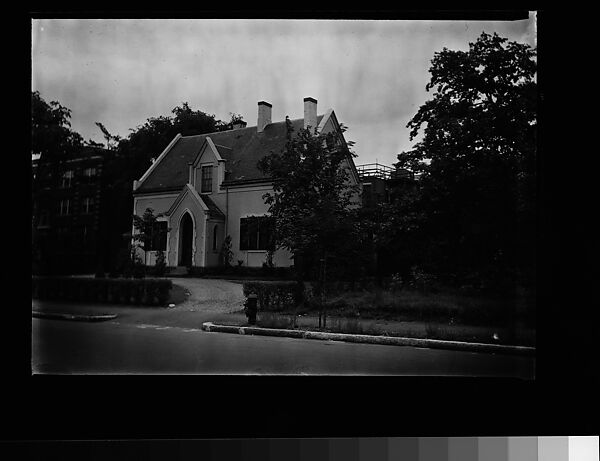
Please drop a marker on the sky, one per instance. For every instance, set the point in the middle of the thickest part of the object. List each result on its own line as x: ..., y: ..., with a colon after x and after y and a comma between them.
x: 372, y: 73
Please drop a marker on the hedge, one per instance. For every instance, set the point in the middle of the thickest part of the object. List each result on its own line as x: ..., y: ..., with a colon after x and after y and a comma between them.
x: 275, y: 296
x: 279, y: 272
x: 148, y: 292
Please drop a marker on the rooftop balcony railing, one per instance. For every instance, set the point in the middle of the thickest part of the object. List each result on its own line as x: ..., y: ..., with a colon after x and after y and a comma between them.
x: 376, y: 170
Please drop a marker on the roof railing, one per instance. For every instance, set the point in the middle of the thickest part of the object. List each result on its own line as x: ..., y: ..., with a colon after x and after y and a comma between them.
x: 375, y: 170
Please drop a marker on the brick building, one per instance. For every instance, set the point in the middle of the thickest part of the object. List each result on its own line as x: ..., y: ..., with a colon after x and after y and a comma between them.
x: 67, y: 209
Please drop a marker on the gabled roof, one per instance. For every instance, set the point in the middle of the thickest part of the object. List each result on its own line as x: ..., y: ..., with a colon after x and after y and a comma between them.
x: 241, y: 149
x: 203, y: 200
x: 213, y: 210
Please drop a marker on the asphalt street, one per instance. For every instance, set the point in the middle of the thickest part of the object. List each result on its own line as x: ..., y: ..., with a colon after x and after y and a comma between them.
x: 111, y: 347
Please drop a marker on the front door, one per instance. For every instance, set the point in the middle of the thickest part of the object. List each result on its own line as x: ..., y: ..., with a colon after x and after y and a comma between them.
x: 186, y: 235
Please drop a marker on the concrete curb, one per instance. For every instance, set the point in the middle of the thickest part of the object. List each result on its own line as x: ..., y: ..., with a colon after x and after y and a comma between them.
x: 371, y: 339
x: 81, y: 318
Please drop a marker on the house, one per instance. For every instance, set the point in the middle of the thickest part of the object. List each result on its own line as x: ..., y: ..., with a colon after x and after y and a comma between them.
x: 67, y: 204
x: 208, y: 187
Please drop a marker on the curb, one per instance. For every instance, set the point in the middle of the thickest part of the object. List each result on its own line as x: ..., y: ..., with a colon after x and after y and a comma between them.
x: 371, y: 339
x: 82, y: 318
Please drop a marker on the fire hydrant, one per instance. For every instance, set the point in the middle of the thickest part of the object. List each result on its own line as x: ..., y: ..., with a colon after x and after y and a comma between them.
x: 250, y: 308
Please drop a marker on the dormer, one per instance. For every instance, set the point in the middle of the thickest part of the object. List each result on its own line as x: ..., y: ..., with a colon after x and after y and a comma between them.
x: 207, y: 171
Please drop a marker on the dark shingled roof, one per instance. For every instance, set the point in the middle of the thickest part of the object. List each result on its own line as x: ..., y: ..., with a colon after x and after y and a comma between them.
x: 213, y: 210
x: 241, y: 148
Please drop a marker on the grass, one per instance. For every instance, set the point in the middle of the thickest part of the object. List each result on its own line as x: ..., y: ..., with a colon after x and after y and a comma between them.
x: 427, y: 330
x: 445, y: 315
x: 408, y: 305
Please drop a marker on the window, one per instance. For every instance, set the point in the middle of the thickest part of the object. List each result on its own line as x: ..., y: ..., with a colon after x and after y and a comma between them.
x: 214, y: 243
x: 88, y: 205
x: 67, y: 178
x: 256, y: 233
x: 207, y: 178
x: 159, y: 236
x: 89, y: 172
x: 64, y: 207
x: 367, y: 195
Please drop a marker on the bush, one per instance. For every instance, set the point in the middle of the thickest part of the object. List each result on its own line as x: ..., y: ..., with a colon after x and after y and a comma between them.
x: 124, y: 291
x: 160, y: 268
x: 243, y: 271
x: 275, y: 296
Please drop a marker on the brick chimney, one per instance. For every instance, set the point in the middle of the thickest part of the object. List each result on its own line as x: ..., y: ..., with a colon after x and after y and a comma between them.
x: 310, y: 113
x: 264, y: 115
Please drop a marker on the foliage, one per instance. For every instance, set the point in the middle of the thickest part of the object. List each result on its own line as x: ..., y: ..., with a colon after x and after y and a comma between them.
x: 474, y: 208
x: 102, y: 290
x: 286, y: 273
x: 160, y: 268
x: 112, y: 141
x: 146, y: 230
x: 51, y: 133
x: 52, y: 140
x: 311, y: 196
x: 226, y: 253
x: 274, y: 296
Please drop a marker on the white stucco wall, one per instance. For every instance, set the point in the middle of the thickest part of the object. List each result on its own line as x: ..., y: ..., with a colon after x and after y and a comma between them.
x: 244, y: 202
x: 212, y: 256
x: 198, y: 243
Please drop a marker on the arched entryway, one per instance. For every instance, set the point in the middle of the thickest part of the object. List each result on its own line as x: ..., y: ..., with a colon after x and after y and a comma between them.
x: 186, y: 236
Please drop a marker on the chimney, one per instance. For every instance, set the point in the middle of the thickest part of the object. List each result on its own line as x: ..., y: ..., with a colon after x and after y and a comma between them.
x: 264, y: 115
x: 310, y: 113
x: 238, y: 124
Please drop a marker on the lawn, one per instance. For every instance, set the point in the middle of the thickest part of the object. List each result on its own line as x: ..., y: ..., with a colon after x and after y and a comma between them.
x: 443, y: 315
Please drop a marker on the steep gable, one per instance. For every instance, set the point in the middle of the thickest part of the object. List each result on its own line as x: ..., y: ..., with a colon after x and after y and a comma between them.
x: 241, y: 149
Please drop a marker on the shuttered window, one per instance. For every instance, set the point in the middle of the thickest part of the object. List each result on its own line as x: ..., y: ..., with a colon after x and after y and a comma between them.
x: 256, y: 233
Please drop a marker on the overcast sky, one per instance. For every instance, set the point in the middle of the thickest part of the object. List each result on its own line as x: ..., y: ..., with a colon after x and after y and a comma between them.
x: 372, y: 73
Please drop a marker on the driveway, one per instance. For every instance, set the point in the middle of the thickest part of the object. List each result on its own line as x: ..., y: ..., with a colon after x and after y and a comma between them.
x: 208, y: 300
x: 211, y: 295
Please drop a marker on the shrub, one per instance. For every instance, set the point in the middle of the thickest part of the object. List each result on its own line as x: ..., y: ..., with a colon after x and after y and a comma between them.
x: 125, y: 291
x: 277, y: 272
x: 226, y: 254
x: 160, y: 268
x: 274, y: 296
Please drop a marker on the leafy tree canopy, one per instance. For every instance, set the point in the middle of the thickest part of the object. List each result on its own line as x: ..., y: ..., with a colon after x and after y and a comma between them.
x: 477, y: 153
x: 311, y: 193
x: 51, y: 132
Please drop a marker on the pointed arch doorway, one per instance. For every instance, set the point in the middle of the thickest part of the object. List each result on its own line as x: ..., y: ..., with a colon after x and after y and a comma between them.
x: 186, y: 236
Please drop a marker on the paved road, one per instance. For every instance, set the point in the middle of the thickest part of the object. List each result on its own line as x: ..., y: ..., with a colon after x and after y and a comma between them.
x: 60, y: 346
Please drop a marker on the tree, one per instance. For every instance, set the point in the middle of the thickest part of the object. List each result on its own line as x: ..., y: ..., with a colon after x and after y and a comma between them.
x: 52, y: 140
x: 477, y: 158
x: 51, y: 133
x: 311, y: 203
x: 226, y: 253
x: 112, y: 141
x: 147, y: 231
